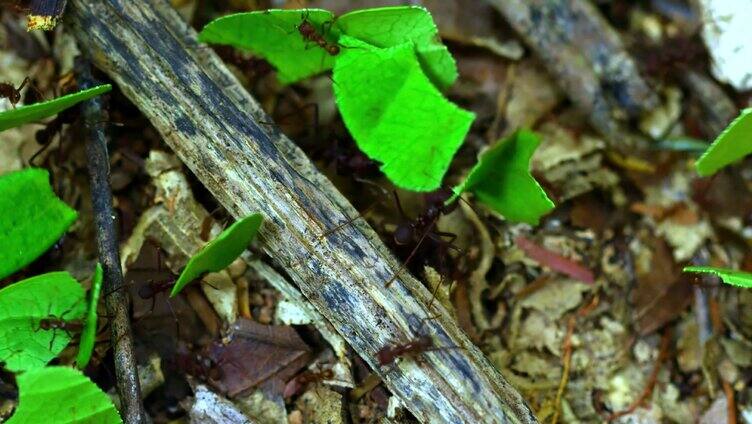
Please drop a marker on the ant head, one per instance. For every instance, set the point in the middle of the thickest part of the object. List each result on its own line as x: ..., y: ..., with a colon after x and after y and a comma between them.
x: 403, y: 234
x: 45, y: 324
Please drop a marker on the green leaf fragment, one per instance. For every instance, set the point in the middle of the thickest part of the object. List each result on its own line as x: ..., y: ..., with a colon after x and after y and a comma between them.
x: 273, y: 34
x: 89, y: 334
x: 23, y: 304
x: 61, y: 395
x: 34, y: 112
x: 406, y: 123
x: 220, y: 252
x: 392, y: 26
x: 501, y: 180
x: 729, y: 276
x: 32, y: 218
x: 734, y: 143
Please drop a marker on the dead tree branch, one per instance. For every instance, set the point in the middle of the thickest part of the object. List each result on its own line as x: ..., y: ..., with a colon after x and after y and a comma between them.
x: 587, y: 58
x: 215, y: 128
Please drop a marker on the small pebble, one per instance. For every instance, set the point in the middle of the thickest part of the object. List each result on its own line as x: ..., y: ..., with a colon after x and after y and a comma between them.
x: 295, y: 417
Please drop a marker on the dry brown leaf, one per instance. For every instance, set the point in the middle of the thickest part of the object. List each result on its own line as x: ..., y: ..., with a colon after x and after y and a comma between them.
x: 257, y: 353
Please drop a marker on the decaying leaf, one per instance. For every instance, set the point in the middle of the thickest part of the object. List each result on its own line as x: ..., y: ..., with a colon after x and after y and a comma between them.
x: 257, y: 353
x: 660, y: 294
x: 571, y: 164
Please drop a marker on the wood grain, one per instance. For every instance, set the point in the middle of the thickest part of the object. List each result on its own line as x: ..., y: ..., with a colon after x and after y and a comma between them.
x: 212, y: 124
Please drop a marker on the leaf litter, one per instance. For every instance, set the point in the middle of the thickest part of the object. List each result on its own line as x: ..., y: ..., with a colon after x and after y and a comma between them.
x: 631, y: 228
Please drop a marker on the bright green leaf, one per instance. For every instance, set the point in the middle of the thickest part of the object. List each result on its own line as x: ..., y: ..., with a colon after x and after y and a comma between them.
x: 220, y: 252
x: 89, y: 334
x: 732, y: 144
x: 23, y: 304
x: 392, y: 26
x: 61, y: 395
x: 729, y: 276
x: 34, y: 112
x: 32, y: 218
x: 405, y: 123
x: 501, y: 180
x: 273, y: 34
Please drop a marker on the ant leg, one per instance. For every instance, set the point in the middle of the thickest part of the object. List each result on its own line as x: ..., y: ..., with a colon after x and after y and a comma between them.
x: 435, y: 290
x: 347, y: 222
x: 174, y: 317
x: 37, y: 153
x: 436, y: 236
x: 399, y: 206
x: 33, y: 86
x: 23, y: 84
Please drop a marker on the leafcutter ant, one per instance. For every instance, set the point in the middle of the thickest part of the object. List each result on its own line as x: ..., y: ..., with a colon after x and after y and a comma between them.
x: 416, y: 231
x: 310, y: 33
x: 13, y: 94
x: 305, y: 378
x: 55, y: 323
x: 45, y: 136
x: 388, y: 354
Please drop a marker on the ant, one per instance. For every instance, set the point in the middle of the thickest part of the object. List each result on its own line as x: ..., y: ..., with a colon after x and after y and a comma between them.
x: 388, y: 354
x: 45, y: 136
x: 423, y: 227
x: 13, y: 94
x: 305, y: 378
x: 310, y: 33
x: 53, y: 323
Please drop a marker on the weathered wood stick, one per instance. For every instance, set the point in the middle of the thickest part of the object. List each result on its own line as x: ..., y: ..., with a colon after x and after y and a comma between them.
x: 586, y: 57
x: 212, y: 124
x: 117, y: 302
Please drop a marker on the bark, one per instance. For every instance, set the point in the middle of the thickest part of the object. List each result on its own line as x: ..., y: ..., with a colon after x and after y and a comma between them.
x: 214, y: 126
x: 587, y: 58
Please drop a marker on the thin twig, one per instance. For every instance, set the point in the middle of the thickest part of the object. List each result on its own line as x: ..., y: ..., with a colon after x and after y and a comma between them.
x: 98, y: 161
x: 567, y: 360
x: 730, y: 402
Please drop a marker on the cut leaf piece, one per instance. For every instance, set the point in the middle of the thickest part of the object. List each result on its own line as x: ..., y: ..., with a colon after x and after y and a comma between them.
x: 391, y: 26
x: 220, y: 252
x: 61, y: 395
x: 32, y: 218
x: 501, y: 180
x: 34, y: 112
x: 273, y: 34
x: 732, y: 144
x: 729, y: 276
x: 89, y: 334
x: 406, y: 124
x: 23, y: 305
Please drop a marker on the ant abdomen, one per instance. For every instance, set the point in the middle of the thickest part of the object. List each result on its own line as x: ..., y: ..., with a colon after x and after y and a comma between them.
x: 403, y: 235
